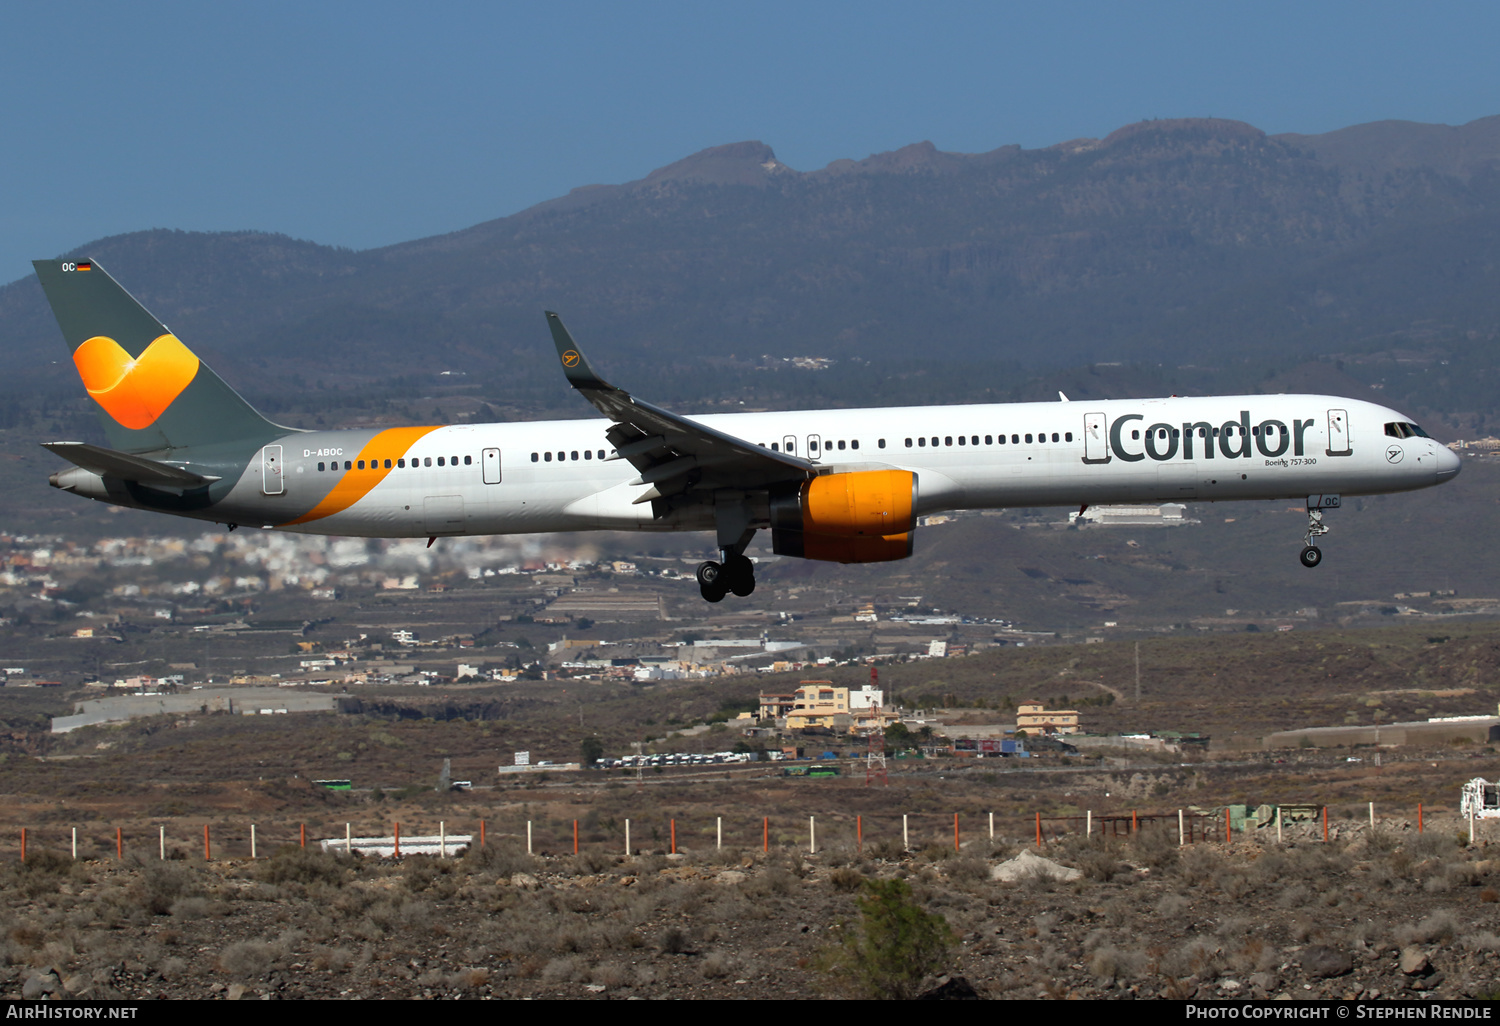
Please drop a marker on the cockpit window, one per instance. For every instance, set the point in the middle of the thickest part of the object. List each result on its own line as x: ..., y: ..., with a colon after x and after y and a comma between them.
x: 1402, y: 429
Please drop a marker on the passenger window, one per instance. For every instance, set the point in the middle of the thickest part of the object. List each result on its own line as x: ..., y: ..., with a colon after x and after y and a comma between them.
x: 989, y: 439
x: 535, y: 457
x: 320, y: 468
x: 1028, y: 439
x: 960, y: 439
x: 588, y: 454
x: 975, y: 439
x: 361, y: 465
x: 775, y: 447
x: 908, y: 443
x: 1068, y: 437
x: 934, y: 440
x: 1135, y: 434
x: 547, y: 456
x: 601, y: 454
x: 1001, y: 439
x: 575, y: 454
x: 922, y: 442
x: 946, y: 441
x: 1054, y: 436
x: 387, y: 464
x: 440, y: 461
x: 401, y: 462
x: 855, y: 444
x: 348, y: 464
x: 427, y: 462
x: 1015, y: 439
x: 841, y: 443
x: 468, y: 460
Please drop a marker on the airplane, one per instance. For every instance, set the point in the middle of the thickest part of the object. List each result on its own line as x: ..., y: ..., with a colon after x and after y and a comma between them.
x: 839, y: 485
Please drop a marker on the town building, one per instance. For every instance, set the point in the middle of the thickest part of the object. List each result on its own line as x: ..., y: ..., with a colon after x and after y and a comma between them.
x: 1035, y: 718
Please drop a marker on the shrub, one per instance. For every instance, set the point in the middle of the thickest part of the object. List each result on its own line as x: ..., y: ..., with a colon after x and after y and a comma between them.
x: 893, y: 946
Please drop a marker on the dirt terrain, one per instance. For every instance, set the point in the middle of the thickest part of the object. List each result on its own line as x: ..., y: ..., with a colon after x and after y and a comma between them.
x: 1393, y: 913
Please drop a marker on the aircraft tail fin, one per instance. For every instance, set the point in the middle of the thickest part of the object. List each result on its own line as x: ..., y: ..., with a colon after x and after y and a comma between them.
x: 153, y: 392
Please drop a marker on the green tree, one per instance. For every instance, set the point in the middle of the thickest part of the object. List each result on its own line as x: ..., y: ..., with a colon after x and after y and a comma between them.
x: 893, y: 946
x: 593, y: 751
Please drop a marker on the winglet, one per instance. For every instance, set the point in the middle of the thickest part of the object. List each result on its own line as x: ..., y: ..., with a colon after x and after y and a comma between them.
x: 575, y: 366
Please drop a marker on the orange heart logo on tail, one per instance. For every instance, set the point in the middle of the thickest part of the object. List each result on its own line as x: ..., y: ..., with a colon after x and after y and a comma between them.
x: 135, y: 391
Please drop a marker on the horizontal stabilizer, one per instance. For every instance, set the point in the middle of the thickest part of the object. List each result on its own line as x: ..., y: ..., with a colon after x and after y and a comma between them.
x: 110, y: 463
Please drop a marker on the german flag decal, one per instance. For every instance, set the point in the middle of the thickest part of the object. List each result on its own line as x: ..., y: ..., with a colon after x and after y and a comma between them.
x: 84, y: 265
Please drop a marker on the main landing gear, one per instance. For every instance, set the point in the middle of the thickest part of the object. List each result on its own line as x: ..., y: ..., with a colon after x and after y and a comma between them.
x: 1311, y: 554
x: 735, y: 574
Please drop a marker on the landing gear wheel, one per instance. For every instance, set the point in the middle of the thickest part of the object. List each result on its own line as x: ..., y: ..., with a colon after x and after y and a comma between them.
x: 1311, y: 556
x: 711, y: 581
x: 739, y: 573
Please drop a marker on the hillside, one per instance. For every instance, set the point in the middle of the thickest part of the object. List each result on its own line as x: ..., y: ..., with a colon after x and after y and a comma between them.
x: 1201, y: 245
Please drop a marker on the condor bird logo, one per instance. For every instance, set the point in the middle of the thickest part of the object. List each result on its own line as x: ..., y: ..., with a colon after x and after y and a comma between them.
x: 570, y: 358
x: 135, y: 391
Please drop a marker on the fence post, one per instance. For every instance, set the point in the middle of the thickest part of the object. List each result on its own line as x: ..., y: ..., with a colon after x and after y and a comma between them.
x: 1133, y: 824
x: 1039, y: 829
x: 162, y: 841
x: 718, y: 833
x: 1228, y: 827
x: 1278, y: 824
x: 992, y: 826
x: 481, y: 835
x: 955, y: 832
x: 627, y: 838
x: 905, y: 836
x: 206, y: 854
x: 765, y: 834
x: 528, y: 837
x: 252, y: 842
x: 1088, y: 823
x: 812, y: 835
x: 120, y: 844
x: 302, y: 834
x: 1372, y: 817
x: 1419, y: 817
x: 348, y: 838
x: 859, y: 833
x: 75, y: 840
x: 674, y: 837
x: 1325, y: 824
x: 1181, y: 839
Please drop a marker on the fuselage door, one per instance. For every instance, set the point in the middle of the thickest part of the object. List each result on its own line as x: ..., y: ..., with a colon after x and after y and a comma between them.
x: 814, y: 447
x: 490, y: 459
x: 270, y: 471
x: 1338, y: 433
x: 1095, y: 440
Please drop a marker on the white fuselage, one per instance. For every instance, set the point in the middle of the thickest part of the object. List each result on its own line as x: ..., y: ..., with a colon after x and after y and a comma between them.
x: 551, y: 475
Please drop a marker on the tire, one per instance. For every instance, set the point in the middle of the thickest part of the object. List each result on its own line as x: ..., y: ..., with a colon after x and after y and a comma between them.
x: 712, y: 592
x: 710, y: 575
x: 739, y: 574
x: 1311, y: 556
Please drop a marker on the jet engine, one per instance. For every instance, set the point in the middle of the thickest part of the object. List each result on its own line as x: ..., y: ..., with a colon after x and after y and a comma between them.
x: 860, y: 517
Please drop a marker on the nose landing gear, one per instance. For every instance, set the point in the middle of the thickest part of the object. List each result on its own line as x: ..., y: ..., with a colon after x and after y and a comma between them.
x: 1311, y: 554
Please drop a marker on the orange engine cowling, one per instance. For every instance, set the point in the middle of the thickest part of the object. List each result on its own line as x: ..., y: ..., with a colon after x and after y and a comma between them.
x: 859, y: 517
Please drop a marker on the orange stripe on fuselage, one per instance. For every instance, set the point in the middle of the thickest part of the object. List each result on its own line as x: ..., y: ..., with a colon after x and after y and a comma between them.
x: 391, y: 444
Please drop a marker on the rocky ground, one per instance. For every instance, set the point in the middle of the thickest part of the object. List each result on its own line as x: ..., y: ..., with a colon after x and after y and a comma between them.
x: 1392, y: 914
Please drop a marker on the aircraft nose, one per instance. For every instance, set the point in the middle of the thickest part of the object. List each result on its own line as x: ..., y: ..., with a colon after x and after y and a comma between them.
x: 1449, y: 464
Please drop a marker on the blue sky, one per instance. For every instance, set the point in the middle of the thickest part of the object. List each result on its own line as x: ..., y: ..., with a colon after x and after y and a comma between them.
x: 362, y: 124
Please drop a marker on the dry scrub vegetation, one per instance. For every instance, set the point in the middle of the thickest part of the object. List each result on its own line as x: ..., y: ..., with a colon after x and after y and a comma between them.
x: 1388, y: 914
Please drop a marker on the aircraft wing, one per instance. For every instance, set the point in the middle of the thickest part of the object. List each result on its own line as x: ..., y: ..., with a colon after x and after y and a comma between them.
x: 673, y: 453
x: 111, y: 463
